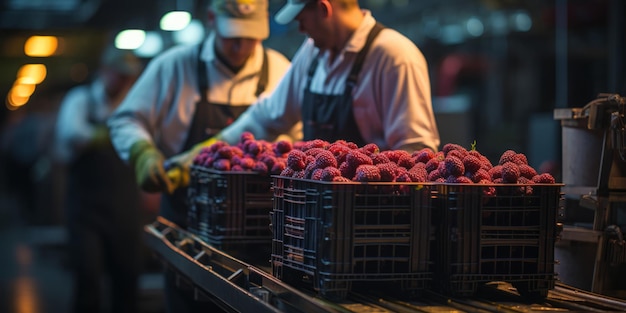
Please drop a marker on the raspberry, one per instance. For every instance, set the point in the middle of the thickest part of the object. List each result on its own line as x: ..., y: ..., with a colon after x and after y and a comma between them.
x: 544, y: 178
x: 339, y: 151
x: 471, y: 163
x: 288, y: 172
x: 405, y: 160
x: 370, y: 149
x: 315, y: 143
x: 298, y: 174
x: 387, y: 171
x: 357, y: 158
x: 330, y: 173
x: 260, y: 168
x: 380, y: 159
x: 434, y: 175
x: 423, y: 155
x: 457, y: 153
x: 527, y: 171
x: 246, y: 136
x: 237, y: 168
x: 396, y: 155
x: 278, y: 167
x: 345, y: 143
x: 420, y: 172
x: 216, y: 146
x: 296, y: 160
x: 247, y: 163
x: 225, y: 152
x: 317, y: 174
x: 347, y: 170
x: 454, y: 166
x: 507, y: 156
x: 458, y: 180
x: 480, y: 175
x: 268, y: 159
x: 432, y: 164
x: 367, y: 173
x: 222, y: 165
x: 341, y: 179
x: 452, y: 146
x: 510, y: 172
x: 324, y: 158
x: 520, y: 159
x: 282, y: 147
x: 495, y: 172
x: 314, y: 151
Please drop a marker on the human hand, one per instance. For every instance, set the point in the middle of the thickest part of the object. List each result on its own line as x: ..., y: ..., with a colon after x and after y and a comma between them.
x: 150, y: 174
x: 178, y: 166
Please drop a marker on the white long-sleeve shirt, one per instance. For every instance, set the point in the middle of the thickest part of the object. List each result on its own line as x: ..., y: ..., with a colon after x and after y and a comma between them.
x: 161, y: 105
x: 391, y: 101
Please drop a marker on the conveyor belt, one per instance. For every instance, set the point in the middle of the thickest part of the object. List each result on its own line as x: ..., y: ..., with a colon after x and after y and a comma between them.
x: 241, y: 287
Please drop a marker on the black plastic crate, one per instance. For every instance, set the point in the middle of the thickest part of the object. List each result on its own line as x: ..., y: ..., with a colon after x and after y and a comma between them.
x: 230, y: 209
x: 482, y: 237
x: 336, y: 236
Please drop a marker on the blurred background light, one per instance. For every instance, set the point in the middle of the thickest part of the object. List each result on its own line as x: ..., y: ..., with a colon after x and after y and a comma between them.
x: 130, y: 39
x: 41, y: 46
x: 521, y: 21
x: 474, y: 26
x: 192, y: 34
x: 152, y: 45
x: 175, y: 20
x: 32, y: 73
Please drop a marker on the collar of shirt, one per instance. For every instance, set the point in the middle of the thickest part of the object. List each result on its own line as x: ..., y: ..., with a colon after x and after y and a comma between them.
x: 252, y: 66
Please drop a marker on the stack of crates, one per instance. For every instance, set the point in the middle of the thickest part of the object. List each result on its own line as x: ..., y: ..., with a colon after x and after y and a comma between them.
x: 230, y: 209
x: 335, y: 237
x: 507, y: 236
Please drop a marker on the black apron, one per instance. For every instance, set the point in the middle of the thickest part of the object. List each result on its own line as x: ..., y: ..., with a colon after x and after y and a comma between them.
x: 208, y: 120
x: 330, y: 117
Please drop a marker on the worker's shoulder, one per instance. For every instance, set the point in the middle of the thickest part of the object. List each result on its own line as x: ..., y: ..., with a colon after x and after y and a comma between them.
x: 391, y: 44
x: 276, y: 57
x: 177, y: 54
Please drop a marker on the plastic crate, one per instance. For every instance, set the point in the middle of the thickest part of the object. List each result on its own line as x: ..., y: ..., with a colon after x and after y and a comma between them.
x: 507, y: 237
x: 336, y: 237
x: 229, y: 209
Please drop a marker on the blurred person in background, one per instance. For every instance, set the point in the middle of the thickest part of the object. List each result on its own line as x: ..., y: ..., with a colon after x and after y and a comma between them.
x: 187, y: 95
x: 351, y: 79
x: 102, y: 198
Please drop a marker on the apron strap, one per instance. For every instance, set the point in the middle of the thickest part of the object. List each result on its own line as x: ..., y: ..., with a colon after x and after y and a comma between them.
x: 263, y: 78
x: 353, y: 77
x: 203, y: 83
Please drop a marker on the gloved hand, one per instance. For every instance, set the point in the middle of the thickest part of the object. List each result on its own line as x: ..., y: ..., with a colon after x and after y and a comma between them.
x: 100, y: 136
x: 147, y: 161
x: 178, y: 166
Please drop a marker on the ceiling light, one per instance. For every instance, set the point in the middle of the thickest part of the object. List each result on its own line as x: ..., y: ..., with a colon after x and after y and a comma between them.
x: 31, y: 73
x: 175, y: 20
x: 130, y: 39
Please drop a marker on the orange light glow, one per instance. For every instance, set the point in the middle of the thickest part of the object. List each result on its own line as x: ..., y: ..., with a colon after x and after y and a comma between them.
x: 41, y: 46
x: 35, y: 72
x: 23, y: 90
x: 16, y: 100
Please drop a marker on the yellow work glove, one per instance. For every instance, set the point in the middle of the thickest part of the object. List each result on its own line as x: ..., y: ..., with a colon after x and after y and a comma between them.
x: 178, y: 166
x: 147, y: 161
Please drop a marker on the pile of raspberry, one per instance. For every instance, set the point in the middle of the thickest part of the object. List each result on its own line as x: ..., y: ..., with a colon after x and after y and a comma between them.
x: 248, y: 155
x: 343, y: 161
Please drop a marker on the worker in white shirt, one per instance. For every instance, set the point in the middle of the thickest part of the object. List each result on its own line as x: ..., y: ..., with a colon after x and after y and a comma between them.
x: 351, y: 79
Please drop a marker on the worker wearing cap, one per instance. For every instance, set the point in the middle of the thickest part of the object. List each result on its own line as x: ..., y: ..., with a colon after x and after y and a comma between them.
x: 188, y: 94
x: 351, y: 79
x: 102, y: 202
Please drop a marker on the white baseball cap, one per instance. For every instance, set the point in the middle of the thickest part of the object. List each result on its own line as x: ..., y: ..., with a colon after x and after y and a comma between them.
x: 289, y: 11
x: 241, y: 18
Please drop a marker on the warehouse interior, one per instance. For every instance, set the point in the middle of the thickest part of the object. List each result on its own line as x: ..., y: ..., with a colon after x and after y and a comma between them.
x: 498, y: 69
